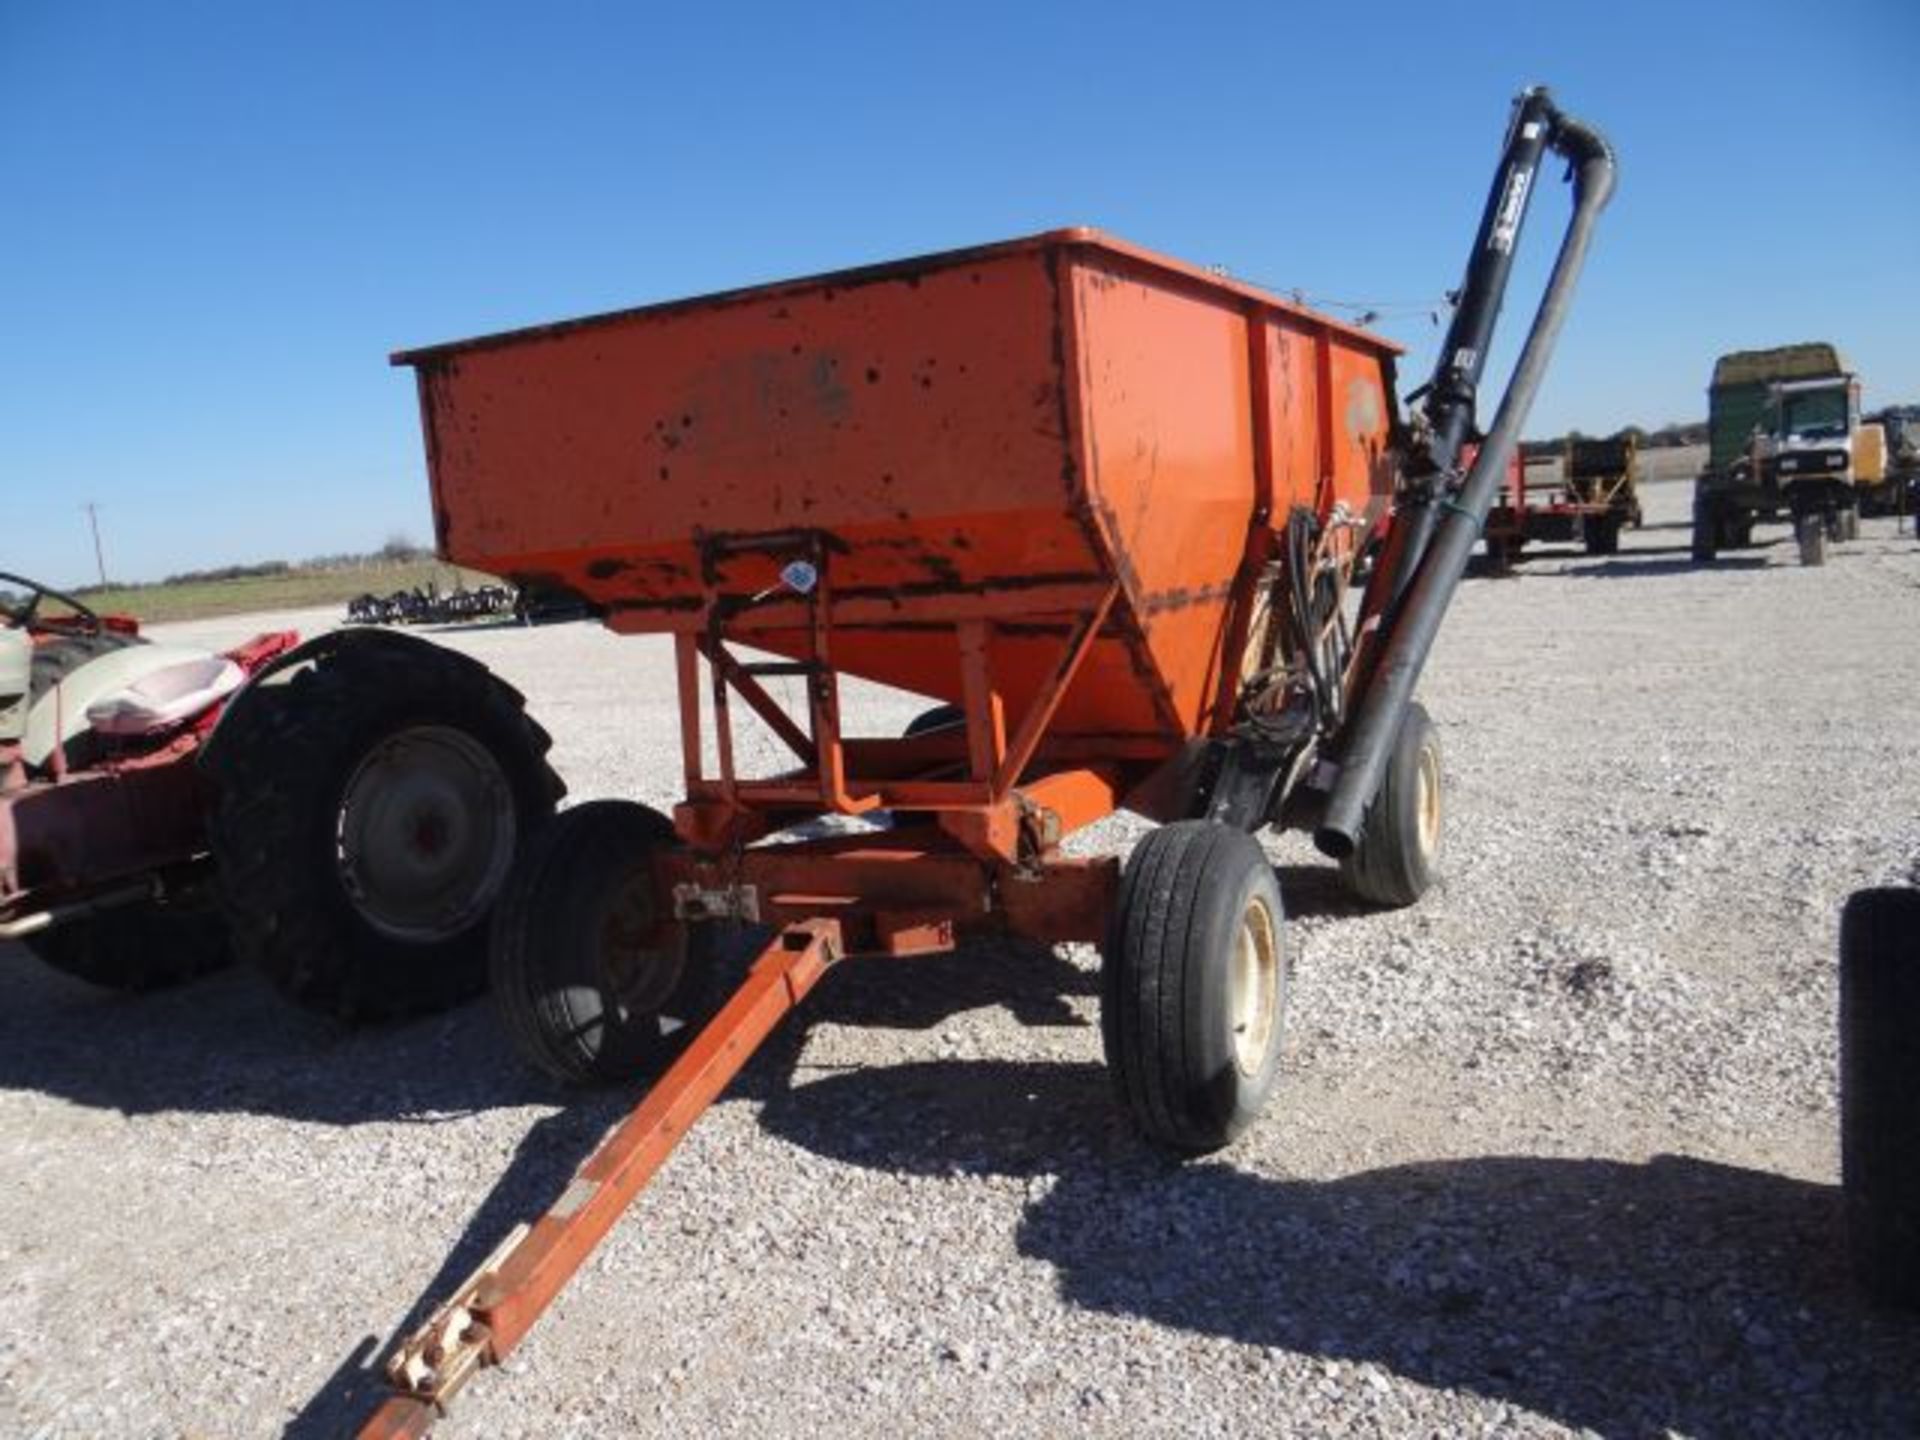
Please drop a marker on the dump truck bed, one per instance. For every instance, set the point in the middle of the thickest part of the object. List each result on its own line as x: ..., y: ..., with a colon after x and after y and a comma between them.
x: 999, y: 431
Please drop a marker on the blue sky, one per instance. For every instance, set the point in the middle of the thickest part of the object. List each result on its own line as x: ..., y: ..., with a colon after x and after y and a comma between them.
x: 218, y: 219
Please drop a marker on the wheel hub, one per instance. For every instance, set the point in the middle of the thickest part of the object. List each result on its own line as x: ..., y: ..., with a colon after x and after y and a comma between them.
x: 1254, y: 993
x: 638, y: 969
x: 1429, y: 801
x: 426, y: 833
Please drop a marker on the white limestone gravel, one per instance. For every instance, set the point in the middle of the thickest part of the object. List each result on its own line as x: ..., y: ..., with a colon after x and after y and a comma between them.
x: 1555, y: 1152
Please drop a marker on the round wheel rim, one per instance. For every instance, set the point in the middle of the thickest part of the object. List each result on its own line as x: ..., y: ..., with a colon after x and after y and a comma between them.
x: 1254, y: 997
x: 637, y: 972
x: 426, y: 833
x: 1428, y: 801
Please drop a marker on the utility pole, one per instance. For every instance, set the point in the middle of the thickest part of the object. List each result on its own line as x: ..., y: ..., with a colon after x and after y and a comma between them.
x: 99, y: 556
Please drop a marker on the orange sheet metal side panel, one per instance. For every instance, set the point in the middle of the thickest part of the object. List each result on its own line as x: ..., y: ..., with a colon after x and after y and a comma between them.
x: 919, y: 420
x: 1165, y: 391
x: 1362, y: 424
x: 1358, y: 409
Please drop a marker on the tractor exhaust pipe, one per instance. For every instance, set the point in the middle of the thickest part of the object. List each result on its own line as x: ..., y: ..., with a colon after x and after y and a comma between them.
x: 1432, y: 537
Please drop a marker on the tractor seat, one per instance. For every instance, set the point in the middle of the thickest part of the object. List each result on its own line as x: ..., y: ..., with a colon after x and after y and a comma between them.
x: 166, y: 697
x: 130, y: 692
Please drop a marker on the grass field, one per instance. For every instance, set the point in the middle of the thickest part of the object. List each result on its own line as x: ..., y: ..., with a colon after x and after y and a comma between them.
x: 295, y: 590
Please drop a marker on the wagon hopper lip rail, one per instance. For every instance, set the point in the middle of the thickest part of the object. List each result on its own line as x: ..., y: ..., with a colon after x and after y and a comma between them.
x: 1107, y: 506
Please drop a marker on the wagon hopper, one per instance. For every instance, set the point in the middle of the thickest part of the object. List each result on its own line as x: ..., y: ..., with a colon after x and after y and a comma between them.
x: 1105, y: 511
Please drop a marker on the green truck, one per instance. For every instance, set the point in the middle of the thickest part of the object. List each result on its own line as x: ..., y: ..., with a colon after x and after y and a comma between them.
x: 1782, y: 425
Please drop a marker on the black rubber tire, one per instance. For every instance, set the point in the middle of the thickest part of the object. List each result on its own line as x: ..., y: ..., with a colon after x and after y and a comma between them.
x: 1166, y: 1020
x: 1600, y: 534
x: 138, y: 947
x: 938, y: 717
x: 1849, y: 523
x: 280, y: 766
x: 553, y: 938
x: 1880, y: 1091
x: 1706, y: 534
x: 1397, y: 859
x: 1811, y: 532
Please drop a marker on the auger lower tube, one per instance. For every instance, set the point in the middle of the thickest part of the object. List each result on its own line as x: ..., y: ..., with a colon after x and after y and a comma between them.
x: 1375, y: 722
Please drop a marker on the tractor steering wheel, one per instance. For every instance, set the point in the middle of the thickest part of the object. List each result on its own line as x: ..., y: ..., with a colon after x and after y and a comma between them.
x: 21, y: 617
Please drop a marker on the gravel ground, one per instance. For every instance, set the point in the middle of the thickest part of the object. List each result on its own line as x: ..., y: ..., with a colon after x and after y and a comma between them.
x: 1555, y: 1151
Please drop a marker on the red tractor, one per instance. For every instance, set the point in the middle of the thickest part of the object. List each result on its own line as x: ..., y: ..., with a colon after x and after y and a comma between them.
x: 340, y: 813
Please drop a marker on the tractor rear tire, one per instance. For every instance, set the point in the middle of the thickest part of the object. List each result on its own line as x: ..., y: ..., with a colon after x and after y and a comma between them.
x: 1880, y: 1091
x: 1600, y: 534
x: 138, y: 947
x: 1849, y: 526
x: 367, y: 815
x: 593, y: 983
x: 1194, y: 985
x: 1811, y: 531
x: 1399, y: 850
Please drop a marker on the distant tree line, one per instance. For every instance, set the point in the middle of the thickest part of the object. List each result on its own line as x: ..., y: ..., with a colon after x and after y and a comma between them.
x: 399, y: 550
x: 1679, y: 432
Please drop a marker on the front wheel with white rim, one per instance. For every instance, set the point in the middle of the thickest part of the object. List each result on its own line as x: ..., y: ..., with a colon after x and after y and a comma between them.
x: 1398, y: 853
x: 1194, y: 985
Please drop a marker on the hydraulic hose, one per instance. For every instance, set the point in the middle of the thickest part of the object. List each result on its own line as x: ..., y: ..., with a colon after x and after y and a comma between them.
x: 1409, y: 627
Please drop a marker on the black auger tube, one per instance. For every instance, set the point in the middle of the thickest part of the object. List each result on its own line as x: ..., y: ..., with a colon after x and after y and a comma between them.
x: 1407, y: 629
x: 1447, y: 399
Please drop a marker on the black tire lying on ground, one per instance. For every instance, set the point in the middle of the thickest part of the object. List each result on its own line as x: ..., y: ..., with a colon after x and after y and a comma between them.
x: 1880, y: 1091
x: 142, y: 946
x: 1194, y: 982
x: 1398, y: 854
x: 367, y: 814
x: 593, y: 983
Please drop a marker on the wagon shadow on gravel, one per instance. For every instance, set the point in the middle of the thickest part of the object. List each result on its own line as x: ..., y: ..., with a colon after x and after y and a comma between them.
x: 1030, y: 981
x: 1666, y: 560
x: 227, y: 1044
x: 1631, y: 1299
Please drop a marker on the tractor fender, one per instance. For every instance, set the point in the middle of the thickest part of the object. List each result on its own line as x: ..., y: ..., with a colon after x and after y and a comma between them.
x: 334, y: 644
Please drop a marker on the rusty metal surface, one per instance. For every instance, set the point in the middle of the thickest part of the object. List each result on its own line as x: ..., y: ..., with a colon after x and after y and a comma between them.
x: 966, y: 432
x: 872, y: 884
x: 61, y: 840
x: 67, y: 837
